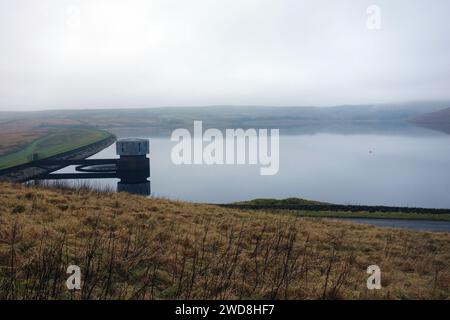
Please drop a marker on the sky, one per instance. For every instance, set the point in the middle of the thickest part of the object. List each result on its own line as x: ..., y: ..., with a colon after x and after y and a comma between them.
x: 61, y: 54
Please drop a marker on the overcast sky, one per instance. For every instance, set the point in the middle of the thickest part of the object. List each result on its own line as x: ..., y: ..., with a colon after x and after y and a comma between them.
x: 149, y: 53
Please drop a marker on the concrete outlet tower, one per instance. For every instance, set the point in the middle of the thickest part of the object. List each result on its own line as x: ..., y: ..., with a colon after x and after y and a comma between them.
x: 133, y: 168
x: 132, y: 147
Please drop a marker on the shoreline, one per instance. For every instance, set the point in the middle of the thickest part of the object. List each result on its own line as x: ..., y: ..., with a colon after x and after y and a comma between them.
x: 408, y: 224
x: 350, y: 212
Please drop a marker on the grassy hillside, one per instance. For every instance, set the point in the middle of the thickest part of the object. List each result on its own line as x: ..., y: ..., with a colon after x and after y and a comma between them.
x: 16, y: 134
x: 280, y: 202
x: 133, y: 247
x: 53, y: 143
x: 164, y: 120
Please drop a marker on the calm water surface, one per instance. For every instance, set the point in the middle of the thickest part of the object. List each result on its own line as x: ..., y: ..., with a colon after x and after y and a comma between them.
x: 435, y: 226
x: 410, y: 167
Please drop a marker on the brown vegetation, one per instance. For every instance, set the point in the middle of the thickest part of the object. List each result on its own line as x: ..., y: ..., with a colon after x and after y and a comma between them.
x: 130, y: 247
x: 12, y: 139
x: 16, y: 134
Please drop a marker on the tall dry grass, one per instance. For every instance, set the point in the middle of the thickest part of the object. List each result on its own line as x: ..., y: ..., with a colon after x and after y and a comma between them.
x: 130, y: 247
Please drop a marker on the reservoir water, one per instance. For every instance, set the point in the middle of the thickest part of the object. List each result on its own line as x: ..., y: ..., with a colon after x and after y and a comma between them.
x: 420, y: 225
x: 406, y: 166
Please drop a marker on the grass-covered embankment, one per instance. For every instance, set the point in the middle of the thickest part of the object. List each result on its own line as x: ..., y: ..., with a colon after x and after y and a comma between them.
x: 133, y: 247
x: 366, y: 215
x: 308, y: 208
x: 56, y: 142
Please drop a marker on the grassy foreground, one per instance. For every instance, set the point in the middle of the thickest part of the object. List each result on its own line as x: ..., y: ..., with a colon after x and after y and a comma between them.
x: 130, y: 247
x: 56, y: 142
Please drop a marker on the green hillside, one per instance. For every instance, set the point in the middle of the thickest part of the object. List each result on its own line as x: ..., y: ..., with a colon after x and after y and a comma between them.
x: 54, y: 143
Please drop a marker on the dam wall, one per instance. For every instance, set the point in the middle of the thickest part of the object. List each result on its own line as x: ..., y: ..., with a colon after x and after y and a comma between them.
x: 27, y: 171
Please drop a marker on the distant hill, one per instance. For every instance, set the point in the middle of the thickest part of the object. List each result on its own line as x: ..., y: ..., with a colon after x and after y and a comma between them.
x: 165, y: 119
x: 438, y: 120
x: 280, y: 202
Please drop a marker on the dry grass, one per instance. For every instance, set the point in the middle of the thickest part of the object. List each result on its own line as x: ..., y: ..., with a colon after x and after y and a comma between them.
x: 129, y: 247
x: 13, y: 140
x: 16, y: 134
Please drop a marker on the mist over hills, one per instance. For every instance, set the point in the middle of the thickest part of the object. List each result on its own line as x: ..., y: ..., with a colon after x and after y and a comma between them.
x: 438, y: 120
x: 163, y: 119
